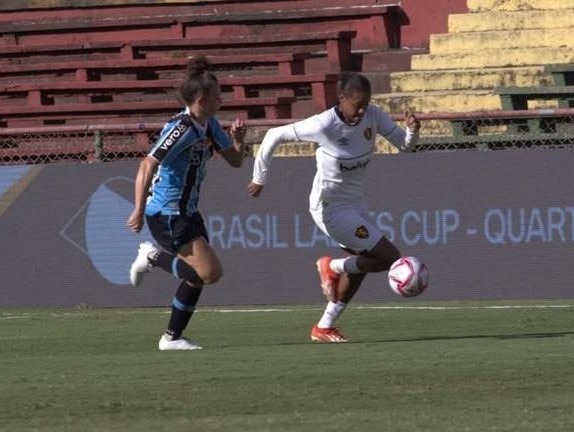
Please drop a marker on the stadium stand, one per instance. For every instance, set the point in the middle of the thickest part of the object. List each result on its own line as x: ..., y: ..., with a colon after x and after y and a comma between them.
x: 515, y: 98
x: 270, y: 107
x: 377, y: 23
x: 240, y: 85
x: 496, y: 44
x: 155, y: 68
x: 336, y: 44
x: 562, y: 74
x: 14, y: 54
x: 257, y: 48
x: 27, y: 98
x: 523, y: 128
x: 518, y: 46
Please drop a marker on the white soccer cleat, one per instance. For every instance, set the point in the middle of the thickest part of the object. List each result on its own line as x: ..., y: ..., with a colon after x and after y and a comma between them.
x: 141, y: 264
x: 181, y: 344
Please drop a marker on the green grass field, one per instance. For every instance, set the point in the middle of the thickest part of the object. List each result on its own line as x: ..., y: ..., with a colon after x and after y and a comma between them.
x: 441, y: 367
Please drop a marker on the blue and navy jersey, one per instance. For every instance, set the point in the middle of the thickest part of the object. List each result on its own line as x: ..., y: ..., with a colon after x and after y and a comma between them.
x: 182, y: 150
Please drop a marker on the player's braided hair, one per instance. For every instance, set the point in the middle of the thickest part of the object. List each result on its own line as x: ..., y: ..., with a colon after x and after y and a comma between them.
x: 198, y: 79
x: 353, y: 82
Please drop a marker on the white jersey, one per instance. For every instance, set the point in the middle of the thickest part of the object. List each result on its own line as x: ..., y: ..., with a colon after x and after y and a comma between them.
x: 343, y: 154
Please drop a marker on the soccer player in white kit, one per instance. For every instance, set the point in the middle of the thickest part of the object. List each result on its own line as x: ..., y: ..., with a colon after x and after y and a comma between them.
x: 345, y: 135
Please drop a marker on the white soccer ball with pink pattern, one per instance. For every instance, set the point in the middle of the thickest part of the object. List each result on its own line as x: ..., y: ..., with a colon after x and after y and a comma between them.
x: 408, y: 276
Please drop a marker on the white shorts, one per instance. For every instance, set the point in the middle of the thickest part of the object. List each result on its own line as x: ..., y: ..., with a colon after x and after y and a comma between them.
x: 348, y: 225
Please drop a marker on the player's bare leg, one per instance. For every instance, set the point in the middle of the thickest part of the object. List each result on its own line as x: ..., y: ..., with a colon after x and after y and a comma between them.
x: 197, y: 264
x: 378, y: 259
x: 348, y: 286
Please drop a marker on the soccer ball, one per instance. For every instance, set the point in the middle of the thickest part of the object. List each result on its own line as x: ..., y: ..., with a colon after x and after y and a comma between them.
x: 408, y: 276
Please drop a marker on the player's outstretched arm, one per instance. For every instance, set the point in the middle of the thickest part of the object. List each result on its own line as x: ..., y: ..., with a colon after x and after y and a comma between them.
x: 403, y: 139
x: 271, y: 141
x: 146, y: 170
x: 235, y: 154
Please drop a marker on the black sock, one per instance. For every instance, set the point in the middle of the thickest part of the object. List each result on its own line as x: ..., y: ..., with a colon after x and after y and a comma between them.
x: 177, y: 267
x: 183, y: 306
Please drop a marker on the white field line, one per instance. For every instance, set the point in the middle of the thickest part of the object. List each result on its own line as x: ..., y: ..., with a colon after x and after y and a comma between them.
x: 380, y: 307
x: 208, y: 309
x: 560, y: 306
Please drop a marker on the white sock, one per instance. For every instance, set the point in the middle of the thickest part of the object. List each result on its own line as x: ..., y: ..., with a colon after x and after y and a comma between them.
x: 332, y: 312
x: 345, y: 265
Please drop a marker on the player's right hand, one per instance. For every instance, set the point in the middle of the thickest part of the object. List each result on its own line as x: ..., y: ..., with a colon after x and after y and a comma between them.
x: 254, y: 189
x: 135, y: 221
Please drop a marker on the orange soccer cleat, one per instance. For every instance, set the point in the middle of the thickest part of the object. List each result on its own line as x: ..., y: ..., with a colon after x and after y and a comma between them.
x: 329, y: 335
x: 329, y: 279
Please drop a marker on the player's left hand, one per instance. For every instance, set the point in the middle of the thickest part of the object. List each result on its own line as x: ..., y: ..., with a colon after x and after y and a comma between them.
x: 412, y: 122
x: 238, y: 130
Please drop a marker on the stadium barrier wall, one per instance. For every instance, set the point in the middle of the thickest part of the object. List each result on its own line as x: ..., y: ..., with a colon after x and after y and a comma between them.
x: 489, y: 225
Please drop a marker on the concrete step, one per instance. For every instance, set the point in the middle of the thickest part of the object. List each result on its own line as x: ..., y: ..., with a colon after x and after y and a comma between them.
x: 527, y: 19
x: 380, y: 81
x: 447, y: 101
x: 439, y: 101
x: 493, y: 58
x: 378, y: 65
x: 513, y: 5
x: 391, y: 60
x: 469, y: 79
x: 502, y: 39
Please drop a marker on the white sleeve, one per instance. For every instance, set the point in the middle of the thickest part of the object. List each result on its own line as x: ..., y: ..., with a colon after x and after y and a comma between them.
x: 411, y: 139
x: 304, y: 130
x: 404, y: 140
x: 271, y: 141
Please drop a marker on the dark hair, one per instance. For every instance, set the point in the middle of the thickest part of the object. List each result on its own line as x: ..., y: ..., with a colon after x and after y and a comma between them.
x: 198, y: 79
x: 353, y: 82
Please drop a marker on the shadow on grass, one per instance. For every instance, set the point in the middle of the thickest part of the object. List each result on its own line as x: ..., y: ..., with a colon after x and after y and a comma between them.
x: 358, y: 341
x: 492, y: 336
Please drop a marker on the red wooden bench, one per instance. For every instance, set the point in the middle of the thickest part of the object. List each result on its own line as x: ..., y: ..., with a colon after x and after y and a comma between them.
x: 265, y: 107
x: 374, y: 21
x: 86, y: 23
x: 377, y: 23
x: 281, y: 63
x: 322, y: 88
x: 16, y: 52
x: 57, y: 30
x: 337, y: 45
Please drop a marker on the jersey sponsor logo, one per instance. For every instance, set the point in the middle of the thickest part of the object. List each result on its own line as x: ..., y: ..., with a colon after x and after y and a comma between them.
x: 343, y: 141
x: 362, y: 232
x: 358, y: 165
x: 368, y: 134
x: 173, y: 136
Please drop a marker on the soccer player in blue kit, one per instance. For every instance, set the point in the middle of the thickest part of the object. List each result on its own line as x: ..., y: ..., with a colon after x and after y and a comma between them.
x: 345, y: 135
x: 171, y: 174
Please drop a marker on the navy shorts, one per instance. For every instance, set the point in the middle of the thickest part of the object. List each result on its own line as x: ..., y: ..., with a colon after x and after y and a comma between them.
x: 174, y: 231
